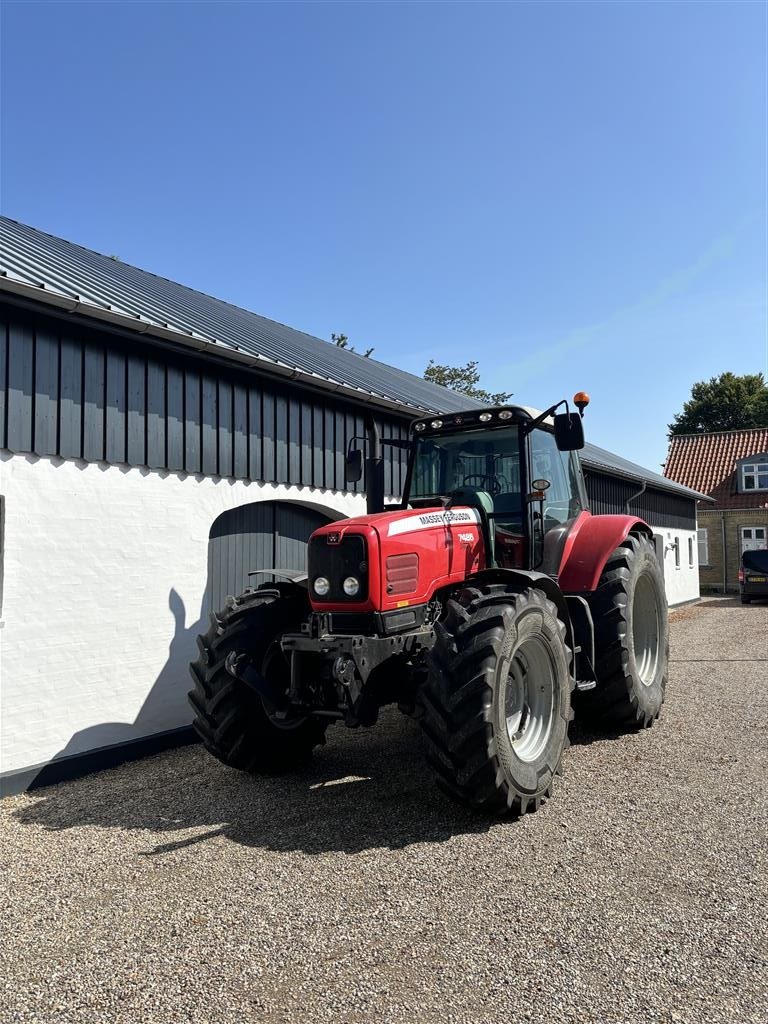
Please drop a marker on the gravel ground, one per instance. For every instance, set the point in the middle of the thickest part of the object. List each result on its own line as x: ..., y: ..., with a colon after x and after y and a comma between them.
x: 176, y: 890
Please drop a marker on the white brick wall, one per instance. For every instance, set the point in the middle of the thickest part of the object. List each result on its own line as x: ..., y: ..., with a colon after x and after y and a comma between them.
x: 104, y: 575
x: 681, y: 582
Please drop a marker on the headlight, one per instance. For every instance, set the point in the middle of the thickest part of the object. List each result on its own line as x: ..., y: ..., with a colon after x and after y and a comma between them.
x: 322, y: 586
x: 351, y: 586
x: 436, y: 424
x: 505, y: 414
x: 485, y: 416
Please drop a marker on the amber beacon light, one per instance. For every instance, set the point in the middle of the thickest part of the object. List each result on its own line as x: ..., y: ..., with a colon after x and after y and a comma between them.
x: 581, y: 401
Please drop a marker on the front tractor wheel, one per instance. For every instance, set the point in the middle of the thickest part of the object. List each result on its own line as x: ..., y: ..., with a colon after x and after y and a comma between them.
x: 629, y: 609
x: 498, y: 699
x: 239, y: 725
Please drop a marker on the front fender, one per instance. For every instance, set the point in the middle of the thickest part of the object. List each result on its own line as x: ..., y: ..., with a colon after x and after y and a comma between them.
x: 588, y: 547
x: 530, y: 578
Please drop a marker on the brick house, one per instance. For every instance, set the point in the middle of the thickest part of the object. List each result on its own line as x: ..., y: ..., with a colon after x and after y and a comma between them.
x: 731, y: 466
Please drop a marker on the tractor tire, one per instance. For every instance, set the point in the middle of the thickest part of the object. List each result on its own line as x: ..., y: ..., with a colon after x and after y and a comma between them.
x: 497, y: 702
x: 629, y: 610
x: 230, y: 717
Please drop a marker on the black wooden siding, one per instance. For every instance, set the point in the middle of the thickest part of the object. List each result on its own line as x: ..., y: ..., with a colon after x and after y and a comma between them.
x: 609, y: 495
x: 86, y: 395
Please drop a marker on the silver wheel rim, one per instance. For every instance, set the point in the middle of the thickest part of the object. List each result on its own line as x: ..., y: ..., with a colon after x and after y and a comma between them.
x: 645, y: 629
x: 529, y: 699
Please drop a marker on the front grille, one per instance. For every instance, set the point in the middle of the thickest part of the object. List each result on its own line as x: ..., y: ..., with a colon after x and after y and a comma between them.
x: 348, y: 557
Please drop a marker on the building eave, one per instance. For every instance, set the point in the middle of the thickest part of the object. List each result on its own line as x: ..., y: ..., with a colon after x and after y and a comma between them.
x: 209, y: 346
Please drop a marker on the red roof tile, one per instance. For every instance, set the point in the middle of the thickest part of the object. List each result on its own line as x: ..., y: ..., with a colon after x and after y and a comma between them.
x: 707, y: 463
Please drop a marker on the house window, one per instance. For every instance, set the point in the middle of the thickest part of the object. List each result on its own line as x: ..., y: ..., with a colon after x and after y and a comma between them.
x: 677, y: 552
x: 703, y: 536
x: 690, y: 552
x: 754, y: 475
x: 753, y: 538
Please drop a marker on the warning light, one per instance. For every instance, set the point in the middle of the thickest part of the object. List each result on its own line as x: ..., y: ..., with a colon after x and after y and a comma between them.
x: 581, y: 401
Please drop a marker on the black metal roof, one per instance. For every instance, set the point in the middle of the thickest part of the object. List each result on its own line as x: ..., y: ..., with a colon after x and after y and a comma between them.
x: 64, y: 274
x: 59, y: 273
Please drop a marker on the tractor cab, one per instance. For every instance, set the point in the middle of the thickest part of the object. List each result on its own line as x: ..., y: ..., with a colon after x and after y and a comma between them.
x: 518, y: 468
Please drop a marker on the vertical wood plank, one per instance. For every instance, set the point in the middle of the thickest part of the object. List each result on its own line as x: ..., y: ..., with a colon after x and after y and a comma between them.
x: 224, y: 432
x: 46, y: 392
x: 174, y: 420
x: 317, y: 446
x: 255, y: 465
x: 3, y: 378
x: 240, y: 432
x: 209, y: 418
x: 156, y: 414
x: 281, y: 440
x: 329, y: 443
x: 71, y: 399
x: 294, y: 441
x: 340, y: 451
x: 20, y: 388
x: 192, y: 422
x: 116, y: 386
x: 137, y: 411
x: 306, y: 443
x: 94, y: 390
x: 268, y: 436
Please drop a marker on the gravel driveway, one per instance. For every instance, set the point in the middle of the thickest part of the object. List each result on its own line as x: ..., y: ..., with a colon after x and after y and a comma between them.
x: 176, y: 890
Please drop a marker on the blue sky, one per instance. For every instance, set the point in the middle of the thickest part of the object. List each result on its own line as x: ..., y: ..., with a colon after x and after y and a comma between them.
x: 573, y: 194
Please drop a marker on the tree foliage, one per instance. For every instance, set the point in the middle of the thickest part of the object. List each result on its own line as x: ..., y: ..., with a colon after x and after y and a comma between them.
x: 466, y: 380
x: 727, y: 402
x: 342, y: 341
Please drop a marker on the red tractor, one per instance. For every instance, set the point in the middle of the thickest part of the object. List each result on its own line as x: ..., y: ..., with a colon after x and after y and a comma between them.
x: 481, y: 604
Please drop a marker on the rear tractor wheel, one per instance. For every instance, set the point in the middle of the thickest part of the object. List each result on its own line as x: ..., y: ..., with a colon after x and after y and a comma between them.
x: 629, y: 610
x: 244, y: 727
x: 497, y: 702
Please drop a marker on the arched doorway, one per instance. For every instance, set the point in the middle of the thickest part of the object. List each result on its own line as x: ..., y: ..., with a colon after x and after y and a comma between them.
x: 262, y: 535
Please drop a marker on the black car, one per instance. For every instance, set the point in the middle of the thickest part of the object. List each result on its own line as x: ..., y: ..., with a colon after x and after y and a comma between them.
x: 753, y: 575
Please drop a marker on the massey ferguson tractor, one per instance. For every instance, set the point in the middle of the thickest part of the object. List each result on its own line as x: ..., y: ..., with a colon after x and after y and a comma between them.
x: 483, y: 604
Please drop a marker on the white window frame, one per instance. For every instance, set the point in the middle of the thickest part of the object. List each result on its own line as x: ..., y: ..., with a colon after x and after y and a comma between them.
x: 702, y: 536
x: 754, y: 470
x: 676, y: 546
x: 744, y: 530
x: 690, y: 552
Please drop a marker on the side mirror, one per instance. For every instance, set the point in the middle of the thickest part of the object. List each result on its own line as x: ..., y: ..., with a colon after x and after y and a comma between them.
x: 354, y: 465
x: 569, y: 431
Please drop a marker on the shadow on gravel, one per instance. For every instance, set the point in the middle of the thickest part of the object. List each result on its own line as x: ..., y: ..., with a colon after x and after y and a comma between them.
x: 365, y: 790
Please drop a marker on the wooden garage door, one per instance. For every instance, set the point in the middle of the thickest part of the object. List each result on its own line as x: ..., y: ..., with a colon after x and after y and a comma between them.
x: 264, y: 535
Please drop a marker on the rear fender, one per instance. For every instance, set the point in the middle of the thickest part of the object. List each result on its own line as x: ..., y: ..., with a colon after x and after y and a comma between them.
x: 590, y: 544
x: 529, y: 578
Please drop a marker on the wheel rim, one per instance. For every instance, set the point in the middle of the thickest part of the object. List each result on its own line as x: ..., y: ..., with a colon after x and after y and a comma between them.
x: 645, y: 629
x: 529, y: 699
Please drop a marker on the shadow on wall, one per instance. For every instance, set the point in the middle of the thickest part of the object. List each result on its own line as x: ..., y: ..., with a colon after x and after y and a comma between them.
x: 109, y: 743
x: 257, y: 535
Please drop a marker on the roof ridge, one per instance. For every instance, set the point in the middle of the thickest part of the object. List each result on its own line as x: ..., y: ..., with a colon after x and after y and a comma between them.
x: 714, y: 433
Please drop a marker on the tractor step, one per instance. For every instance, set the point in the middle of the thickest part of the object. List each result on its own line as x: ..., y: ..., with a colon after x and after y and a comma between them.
x: 585, y: 684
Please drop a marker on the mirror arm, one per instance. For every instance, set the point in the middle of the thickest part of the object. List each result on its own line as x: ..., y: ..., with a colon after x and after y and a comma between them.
x: 543, y: 415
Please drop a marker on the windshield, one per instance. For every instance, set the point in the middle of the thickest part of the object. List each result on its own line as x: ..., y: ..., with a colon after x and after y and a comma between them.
x: 479, y: 460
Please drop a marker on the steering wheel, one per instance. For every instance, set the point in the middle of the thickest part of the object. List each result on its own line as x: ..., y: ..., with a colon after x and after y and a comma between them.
x: 487, y: 483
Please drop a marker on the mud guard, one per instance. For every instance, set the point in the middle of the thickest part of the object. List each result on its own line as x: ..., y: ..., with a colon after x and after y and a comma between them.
x: 531, y: 578
x: 588, y: 547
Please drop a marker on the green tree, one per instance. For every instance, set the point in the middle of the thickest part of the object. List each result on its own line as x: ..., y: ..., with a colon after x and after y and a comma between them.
x: 727, y: 402
x: 342, y: 341
x: 464, y: 379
